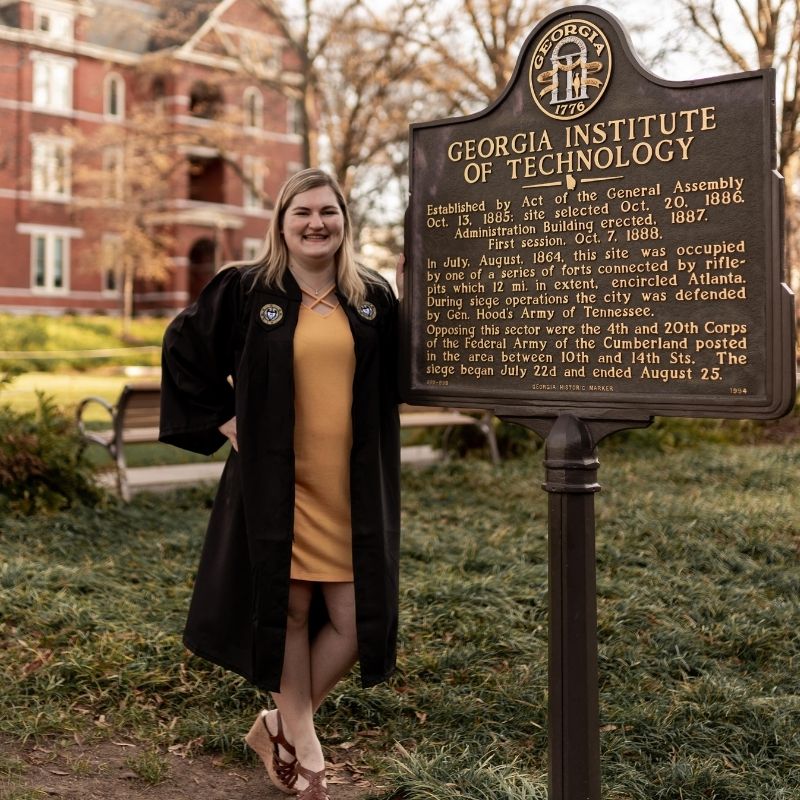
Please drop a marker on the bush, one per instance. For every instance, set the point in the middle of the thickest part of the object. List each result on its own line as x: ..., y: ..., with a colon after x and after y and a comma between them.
x: 42, y: 463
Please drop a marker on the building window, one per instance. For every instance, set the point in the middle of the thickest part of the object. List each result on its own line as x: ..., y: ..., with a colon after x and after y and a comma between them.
x: 294, y: 116
x: 52, y: 82
x: 114, y: 173
x: 114, y: 97
x: 158, y: 94
x: 50, y: 167
x: 111, y: 275
x: 253, y: 169
x: 293, y: 167
x: 260, y: 54
x: 205, y: 100
x: 53, y: 24
x: 251, y: 249
x: 50, y: 262
x: 253, y: 108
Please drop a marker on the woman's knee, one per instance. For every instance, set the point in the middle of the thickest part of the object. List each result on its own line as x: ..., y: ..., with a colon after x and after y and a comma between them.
x: 340, y: 601
x: 299, y: 605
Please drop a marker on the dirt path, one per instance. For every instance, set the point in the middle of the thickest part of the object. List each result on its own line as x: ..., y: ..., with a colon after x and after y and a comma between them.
x: 125, y: 771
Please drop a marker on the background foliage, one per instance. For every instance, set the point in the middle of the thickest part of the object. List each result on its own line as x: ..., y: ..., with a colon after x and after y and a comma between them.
x: 42, y: 465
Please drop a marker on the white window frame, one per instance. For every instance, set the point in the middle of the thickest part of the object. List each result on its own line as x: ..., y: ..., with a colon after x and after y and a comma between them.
x: 110, y: 244
x: 63, y: 32
x: 114, y: 173
x: 253, y: 94
x: 261, y: 54
x: 50, y: 236
x: 293, y: 167
x: 294, y: 117
x: 254, y: 169
x: 114, y: 79
x: 251, y: 247
x: 45, y: 95
x: 46, y: 182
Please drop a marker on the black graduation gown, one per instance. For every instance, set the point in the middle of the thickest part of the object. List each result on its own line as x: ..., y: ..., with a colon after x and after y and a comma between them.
x: 237, y: 617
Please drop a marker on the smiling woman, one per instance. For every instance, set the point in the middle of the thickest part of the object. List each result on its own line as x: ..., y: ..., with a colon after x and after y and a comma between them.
x: 313, y: 229
x: 292, y: 358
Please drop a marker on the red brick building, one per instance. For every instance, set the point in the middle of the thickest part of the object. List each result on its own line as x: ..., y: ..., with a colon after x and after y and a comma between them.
x: 90, y: 64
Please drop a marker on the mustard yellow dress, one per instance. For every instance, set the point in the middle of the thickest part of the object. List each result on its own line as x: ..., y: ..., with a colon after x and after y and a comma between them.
x: 324, y: 365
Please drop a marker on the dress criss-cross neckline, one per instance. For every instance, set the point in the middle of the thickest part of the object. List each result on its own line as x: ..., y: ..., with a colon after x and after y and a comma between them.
x: 320, y: 298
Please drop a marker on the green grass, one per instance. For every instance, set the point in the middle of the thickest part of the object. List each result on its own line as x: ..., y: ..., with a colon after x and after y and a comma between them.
x: 41, y: 333
x: 148, y: 455
x: 69, y: 388
x: 149, y: 767
x: 698, y: 624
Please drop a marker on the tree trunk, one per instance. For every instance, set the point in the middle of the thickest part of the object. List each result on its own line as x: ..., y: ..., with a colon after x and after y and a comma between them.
x: 127, y: 303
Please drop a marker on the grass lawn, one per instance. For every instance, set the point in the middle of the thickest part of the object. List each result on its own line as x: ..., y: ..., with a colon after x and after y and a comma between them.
x: 47, y: 343
x: 698, y: 622
x: 68, y: 388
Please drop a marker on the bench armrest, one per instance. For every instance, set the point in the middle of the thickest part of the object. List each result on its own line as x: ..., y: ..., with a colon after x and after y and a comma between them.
x: 79, y: 411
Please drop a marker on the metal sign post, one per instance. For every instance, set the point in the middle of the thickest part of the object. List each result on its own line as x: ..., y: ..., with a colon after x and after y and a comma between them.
x: 573, y: 703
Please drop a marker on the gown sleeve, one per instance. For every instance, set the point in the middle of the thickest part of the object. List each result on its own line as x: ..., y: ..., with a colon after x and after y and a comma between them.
x: 197, y: 367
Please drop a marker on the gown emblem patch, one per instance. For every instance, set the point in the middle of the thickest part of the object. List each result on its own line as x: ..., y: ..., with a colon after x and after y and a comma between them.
x: 271, y: 314
x: 367, y: 310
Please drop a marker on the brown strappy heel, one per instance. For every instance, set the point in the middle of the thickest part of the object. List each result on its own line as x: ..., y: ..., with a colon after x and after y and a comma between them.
x: 315, y: 790
x: 283, y: 774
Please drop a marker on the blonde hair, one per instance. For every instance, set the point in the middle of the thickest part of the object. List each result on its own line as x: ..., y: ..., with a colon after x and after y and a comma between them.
x: 271, y: 264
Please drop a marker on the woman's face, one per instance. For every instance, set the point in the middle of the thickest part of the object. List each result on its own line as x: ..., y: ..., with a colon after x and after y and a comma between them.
x: 313, y: 227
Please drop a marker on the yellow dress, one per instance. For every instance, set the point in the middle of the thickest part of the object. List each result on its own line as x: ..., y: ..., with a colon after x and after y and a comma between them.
x: 324, y: 365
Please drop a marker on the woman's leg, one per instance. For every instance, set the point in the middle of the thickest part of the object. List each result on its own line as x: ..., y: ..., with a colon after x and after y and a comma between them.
x: 335, y: 648
x: 294, y: 701
x: 309, y: 673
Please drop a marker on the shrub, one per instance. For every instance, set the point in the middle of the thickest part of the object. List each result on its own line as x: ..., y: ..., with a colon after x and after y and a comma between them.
x: 42, y: 463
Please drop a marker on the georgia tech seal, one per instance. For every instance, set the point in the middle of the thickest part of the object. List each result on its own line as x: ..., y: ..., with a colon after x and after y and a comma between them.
x: 271, y: 314
x: 367, y: 311
x: 570, y: 68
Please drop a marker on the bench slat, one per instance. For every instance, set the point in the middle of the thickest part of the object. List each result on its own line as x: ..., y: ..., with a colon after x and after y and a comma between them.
x: 435, y: 419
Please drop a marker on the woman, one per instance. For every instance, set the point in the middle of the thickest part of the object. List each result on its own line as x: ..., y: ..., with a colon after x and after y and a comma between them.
x: 293, y: 359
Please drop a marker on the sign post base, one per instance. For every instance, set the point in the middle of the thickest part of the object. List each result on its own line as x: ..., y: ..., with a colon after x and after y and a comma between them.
x: 573, y: 703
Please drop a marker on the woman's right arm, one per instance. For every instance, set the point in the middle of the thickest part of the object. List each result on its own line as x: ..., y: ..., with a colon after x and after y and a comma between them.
x: 197, y: 397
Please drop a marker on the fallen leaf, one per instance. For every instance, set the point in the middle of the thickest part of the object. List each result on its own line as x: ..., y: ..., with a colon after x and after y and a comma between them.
x: 185, y: 749
x: 42, y: 658
x: 400, y: 749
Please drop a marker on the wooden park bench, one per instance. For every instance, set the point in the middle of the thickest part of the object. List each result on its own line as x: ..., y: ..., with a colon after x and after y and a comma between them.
x: 134, y: 419
x: 135, y: 416
x: 449, y: 419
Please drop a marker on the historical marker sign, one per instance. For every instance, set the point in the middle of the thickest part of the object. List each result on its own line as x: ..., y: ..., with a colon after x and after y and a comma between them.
x: 600, y: 239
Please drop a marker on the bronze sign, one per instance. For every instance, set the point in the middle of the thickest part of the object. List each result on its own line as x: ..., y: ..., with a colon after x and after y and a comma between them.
x: 601, y: 239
